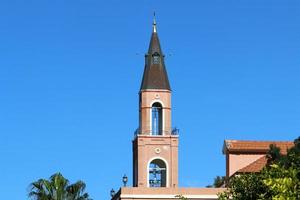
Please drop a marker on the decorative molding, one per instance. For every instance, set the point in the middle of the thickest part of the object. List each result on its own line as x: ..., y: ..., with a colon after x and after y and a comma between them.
x: 168, y: 196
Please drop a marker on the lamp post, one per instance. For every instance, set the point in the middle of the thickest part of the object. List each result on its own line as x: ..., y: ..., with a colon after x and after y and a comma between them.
x: 125, y: 180
x: 112, y: 193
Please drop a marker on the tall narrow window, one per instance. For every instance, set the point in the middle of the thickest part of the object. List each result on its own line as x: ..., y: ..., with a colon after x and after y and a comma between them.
x: 157, y: 173
x: 156, y: 119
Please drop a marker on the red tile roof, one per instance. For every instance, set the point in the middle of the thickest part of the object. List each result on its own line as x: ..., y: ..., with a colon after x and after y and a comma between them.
x: 256, y: 166
x: 259, y: 147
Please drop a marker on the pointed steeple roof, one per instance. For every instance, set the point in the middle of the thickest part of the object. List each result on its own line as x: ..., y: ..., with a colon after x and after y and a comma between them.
x: 155, y: 73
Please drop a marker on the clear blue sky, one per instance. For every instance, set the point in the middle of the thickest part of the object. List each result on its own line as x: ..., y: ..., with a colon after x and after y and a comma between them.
x: 70, y: 72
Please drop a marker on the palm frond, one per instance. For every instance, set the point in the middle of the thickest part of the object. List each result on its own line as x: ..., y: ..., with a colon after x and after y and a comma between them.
x: 57, y: 188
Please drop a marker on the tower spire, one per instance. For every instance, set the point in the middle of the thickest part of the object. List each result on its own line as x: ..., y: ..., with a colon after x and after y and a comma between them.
x: 155, y: 73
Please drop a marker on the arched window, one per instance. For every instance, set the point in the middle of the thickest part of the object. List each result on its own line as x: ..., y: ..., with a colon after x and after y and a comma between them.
x: 156, y: 58
x: 156, y: 119
x: 157, y: 173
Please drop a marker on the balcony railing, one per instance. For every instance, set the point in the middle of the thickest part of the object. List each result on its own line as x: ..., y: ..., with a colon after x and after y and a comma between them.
x: 175, y: 131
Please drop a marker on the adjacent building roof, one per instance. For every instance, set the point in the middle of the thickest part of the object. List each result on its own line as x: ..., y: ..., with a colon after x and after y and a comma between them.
x: 155, y: 73
x: 246, y: 147
x: 256, y: 166
x: 259, y: 147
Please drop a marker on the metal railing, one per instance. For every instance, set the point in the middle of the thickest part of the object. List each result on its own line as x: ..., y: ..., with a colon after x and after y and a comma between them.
x: 174, y: 131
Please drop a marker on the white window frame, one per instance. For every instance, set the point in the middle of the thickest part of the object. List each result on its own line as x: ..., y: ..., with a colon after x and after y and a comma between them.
x: 163, y: 117
x: 167, y: 170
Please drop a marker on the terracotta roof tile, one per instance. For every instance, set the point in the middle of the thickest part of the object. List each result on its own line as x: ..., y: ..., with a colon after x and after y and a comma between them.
x: 256, y: 166
x: 246, y: 146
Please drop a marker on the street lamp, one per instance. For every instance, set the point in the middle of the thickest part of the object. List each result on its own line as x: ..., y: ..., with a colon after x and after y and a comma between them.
x: 112, y: 193
x: 125, y: 180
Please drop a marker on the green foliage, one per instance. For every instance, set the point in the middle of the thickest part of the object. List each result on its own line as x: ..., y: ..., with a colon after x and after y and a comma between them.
x: 279, y: 180
x: 246, y: 187
x: 282, y: 183
x: 57, y: 188
x: 274, y: 154
x: 293, y: 156
x: 219, y: 181
x: 181, y: 197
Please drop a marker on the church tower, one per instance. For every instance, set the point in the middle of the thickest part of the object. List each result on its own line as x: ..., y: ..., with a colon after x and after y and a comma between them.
x: 155, y: 145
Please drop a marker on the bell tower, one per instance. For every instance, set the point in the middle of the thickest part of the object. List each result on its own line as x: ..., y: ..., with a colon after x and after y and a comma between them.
x: 155, y: 145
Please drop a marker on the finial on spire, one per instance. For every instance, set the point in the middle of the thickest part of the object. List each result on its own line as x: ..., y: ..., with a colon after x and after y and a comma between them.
x: 154, y: 23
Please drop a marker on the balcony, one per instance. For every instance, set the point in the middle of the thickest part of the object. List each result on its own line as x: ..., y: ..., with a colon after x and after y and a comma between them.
x: 175, y: 131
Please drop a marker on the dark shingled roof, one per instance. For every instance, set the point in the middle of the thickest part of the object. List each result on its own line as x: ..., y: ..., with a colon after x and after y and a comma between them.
x: 155, y: 75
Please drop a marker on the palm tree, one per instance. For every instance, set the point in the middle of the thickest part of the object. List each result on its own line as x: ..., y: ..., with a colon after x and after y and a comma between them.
x: 57, y: 188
